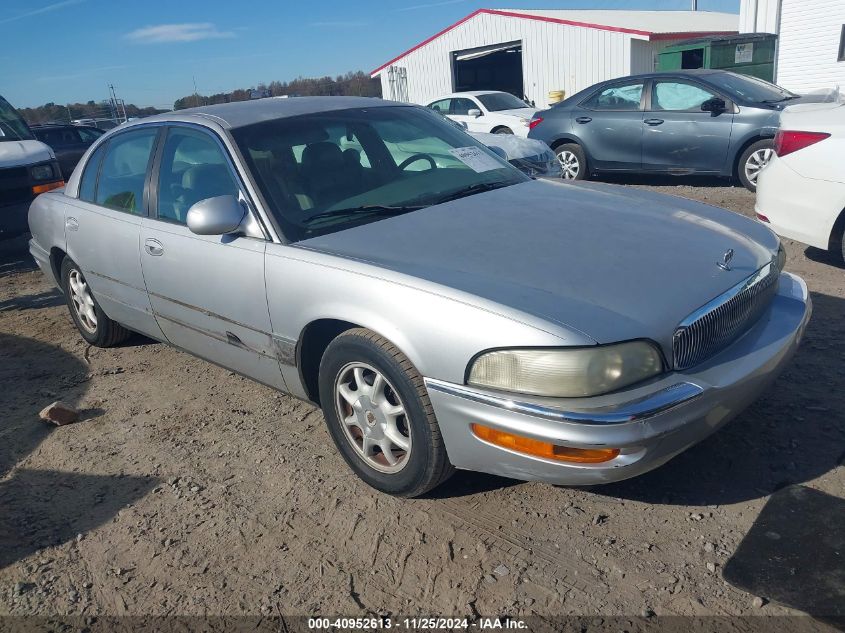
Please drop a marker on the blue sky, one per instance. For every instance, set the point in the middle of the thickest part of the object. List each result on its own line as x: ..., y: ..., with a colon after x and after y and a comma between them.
x: 152, y: 51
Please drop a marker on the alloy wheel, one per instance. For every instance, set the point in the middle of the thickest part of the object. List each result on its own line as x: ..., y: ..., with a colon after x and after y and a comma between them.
x: 755, y: 163
x: 373, y: 417
x: 570, y: 164
x: 83, y: 301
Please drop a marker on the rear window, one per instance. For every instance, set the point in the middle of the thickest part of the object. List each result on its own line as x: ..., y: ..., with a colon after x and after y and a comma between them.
x: 502, y: 101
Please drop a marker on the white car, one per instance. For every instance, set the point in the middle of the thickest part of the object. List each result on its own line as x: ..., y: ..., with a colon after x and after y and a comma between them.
x: 487, y: 111
x: 801, y: 192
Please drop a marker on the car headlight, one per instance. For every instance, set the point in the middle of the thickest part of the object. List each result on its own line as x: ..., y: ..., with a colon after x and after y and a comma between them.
x: 567, y: 373
x: 41, y: 172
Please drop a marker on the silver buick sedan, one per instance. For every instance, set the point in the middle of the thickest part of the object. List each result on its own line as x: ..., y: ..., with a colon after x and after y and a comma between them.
x: 445, y: 310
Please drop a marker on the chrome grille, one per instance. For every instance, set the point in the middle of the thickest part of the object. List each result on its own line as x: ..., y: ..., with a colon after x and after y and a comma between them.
x: 716, y: 325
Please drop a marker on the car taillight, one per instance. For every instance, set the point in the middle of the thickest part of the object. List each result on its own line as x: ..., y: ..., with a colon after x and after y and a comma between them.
x: 535, y: 122
x: 788, y: 141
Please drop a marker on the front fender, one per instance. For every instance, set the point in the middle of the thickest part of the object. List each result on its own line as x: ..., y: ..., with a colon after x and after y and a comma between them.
x: 439, y: 334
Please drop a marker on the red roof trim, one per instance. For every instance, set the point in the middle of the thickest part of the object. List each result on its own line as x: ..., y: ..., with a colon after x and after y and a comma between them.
x: 541, y: 18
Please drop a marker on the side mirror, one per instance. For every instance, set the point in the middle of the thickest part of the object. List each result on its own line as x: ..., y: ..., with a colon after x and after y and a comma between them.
x: 714, y: 105
x: 474, y: 112
x: 216, y: 216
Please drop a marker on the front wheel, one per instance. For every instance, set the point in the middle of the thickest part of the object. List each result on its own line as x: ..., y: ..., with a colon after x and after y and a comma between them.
x: 573, y: 162
x: 752, y: 161
x: 96, y: 328
x: 379, y: 415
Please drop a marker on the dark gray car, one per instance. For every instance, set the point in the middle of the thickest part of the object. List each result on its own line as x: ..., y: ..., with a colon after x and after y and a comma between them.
x: 709, y: 122
x: 69, y: 142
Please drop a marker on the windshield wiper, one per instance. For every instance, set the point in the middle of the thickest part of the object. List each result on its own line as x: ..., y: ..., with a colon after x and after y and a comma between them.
x: 478, y: 187
x: 786, y: 98
x: 367, y: 209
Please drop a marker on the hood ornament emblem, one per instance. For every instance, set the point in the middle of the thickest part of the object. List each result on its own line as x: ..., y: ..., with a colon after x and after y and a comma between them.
x: 726, y: 259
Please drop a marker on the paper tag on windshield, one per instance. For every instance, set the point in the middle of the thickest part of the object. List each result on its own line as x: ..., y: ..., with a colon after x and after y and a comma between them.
x: 475, y: 159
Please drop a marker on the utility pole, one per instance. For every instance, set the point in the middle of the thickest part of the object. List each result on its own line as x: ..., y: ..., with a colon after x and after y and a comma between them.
x: 695, y: 5
x: 69, y: 117
x: 196, y: 94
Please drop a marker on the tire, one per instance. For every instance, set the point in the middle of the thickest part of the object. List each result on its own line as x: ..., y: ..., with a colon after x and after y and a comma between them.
x: 422, y: 464
x: 573, y: 160
x: 503, y: 130
x: 93, y: 324
x: 752, y: 160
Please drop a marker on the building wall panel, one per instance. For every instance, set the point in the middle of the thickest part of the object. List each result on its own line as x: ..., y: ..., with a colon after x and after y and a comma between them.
x: 810, y: 32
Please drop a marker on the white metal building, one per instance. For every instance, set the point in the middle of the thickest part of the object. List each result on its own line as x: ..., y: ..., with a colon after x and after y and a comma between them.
x: 531, y: 53
x: 811, y: 42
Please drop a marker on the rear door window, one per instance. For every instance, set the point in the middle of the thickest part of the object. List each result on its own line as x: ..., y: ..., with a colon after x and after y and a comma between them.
x: 621, y: 97
x: 441, y: 106
x: 124, y: 171
x: 88, y: 184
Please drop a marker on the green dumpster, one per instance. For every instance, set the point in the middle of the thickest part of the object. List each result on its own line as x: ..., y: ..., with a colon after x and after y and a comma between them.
x: 747, y: 53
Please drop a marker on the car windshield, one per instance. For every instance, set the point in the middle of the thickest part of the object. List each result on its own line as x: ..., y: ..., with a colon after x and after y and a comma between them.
x: 750, y: 88
x: 12, y: 126
x: 496, y: 101
x: 324, y: 172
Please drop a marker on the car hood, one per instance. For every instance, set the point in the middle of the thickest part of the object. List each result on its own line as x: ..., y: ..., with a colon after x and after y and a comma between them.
x: 611, y: 262
x: 19, y: 153
x: 525, y: 113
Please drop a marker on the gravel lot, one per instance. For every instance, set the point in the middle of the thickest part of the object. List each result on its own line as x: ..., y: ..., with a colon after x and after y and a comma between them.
x: 189, y: 490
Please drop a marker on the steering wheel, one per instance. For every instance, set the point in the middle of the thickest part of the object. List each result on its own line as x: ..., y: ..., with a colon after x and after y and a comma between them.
x: 415, y: 158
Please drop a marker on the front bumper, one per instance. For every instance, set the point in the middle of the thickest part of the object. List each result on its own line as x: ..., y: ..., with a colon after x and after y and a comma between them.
x: 649, y: 424
x: 13, y: 219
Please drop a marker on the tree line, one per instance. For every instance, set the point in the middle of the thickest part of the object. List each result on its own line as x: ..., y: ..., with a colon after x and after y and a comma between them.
x: 63, y: 113
x: 351, y: 84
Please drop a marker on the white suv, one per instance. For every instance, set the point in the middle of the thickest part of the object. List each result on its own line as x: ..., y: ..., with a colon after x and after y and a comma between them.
x: 27, y: 168
x: 487, y: 111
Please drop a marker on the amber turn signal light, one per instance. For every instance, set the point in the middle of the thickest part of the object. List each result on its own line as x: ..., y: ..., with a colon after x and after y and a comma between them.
x: 48, y: 187
x: 546, y: 450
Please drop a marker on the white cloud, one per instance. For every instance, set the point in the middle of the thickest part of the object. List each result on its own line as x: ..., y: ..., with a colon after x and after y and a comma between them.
x: 189, y: 32
x: 47, y: 9
x: 428, y: 5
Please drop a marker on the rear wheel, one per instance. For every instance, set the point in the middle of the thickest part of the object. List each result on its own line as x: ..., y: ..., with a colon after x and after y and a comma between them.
x: 502, y: 130
x: 753, y: 159
x: 379, y: 415
x: 96, y: 328
x: 573, y: 161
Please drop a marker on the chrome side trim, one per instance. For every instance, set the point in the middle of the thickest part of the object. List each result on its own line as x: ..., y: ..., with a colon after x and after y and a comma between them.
x: 633, y: 411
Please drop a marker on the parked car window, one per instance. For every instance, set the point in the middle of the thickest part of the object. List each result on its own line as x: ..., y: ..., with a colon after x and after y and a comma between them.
x: 121, y: 182
x: 498, y: 101
x: 193, y: 168
x: 462, y: 106
x: 619, y: 97
x: 58, y: 137
x: 89, y: 135
x: 415, y: 159
x: 678, y: 96
x: 12, y: 126
x: 441, y: 106
x: 88, y: 183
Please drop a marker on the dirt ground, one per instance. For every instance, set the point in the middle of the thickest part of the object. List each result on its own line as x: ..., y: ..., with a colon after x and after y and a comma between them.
x: 189, y: 490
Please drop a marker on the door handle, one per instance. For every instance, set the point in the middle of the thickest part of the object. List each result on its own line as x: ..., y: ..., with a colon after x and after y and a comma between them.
x: 653, y: 122
x: 153, y: 247
x: 583, y: 119
x: 72, y: 224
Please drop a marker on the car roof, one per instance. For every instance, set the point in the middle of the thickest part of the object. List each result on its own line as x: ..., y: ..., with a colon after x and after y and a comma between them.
x: 242, y: 113
x: 468, y: 93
